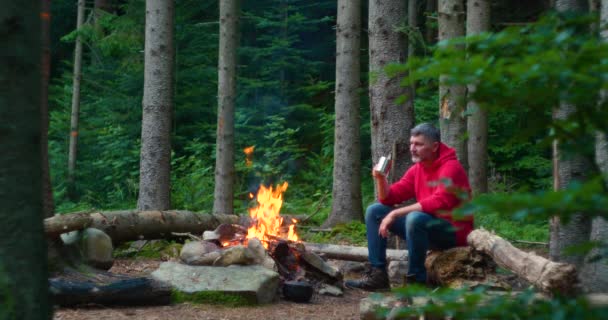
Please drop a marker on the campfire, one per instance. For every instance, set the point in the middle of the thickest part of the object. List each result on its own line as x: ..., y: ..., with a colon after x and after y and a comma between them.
x: 269, y: 240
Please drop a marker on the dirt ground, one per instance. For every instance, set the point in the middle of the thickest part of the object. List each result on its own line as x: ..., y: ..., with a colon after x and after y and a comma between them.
x: 320, y: 307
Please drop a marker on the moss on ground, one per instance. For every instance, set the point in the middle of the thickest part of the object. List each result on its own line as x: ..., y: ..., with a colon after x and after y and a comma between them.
x: 214, y: 297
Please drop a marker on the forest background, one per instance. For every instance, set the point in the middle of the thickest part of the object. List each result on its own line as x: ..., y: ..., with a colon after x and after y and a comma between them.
x: 284, y: 107
x: 541, y: 78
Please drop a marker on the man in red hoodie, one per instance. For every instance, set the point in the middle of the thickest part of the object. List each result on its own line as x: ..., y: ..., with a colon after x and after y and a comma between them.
x: 439, y: 183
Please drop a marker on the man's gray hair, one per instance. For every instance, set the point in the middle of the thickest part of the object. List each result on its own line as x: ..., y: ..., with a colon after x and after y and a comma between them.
x: 428, y: 130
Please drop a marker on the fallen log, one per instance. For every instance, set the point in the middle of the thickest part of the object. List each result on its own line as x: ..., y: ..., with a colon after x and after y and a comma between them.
x: 130, y: 225
x: 351, y: 253
x: 459, y: 266
x: 544, y: 274
x: 91, y: 286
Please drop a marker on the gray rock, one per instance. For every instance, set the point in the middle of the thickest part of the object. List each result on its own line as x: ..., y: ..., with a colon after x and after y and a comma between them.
x: 377, y: 306
x: 261, y: 256
x: 316, y: 261
x: 253, y: 282
x: 93, y: 245
x: 199, y: 253
x: 235, y: 255
x: 330, y: 290
x: 397, y: 270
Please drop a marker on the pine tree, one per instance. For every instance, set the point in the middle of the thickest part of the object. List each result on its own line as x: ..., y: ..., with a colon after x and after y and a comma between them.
x: 23, y: 266
x: 155, y: 162
x: 224, y: 164
x: 391, y: 119
x: 451, y: 97
x: 478, y: 20
x: 346, y: 193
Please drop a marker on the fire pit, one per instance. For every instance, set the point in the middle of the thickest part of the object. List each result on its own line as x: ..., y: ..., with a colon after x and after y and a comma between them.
x: 270, y: 241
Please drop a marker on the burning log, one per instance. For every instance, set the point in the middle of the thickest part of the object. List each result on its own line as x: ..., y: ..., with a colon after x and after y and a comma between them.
x: 130, y: 225
x: 544, y: 274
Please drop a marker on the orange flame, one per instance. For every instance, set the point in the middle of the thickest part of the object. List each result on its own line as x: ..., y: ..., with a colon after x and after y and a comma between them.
x: 267, y: 221
x: 248, y: 155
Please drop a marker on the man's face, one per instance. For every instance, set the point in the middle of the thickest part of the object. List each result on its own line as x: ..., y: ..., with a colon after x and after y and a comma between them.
x: 422, y: 149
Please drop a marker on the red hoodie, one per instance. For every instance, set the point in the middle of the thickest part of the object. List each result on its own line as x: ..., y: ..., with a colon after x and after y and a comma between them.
x: 431, y: 187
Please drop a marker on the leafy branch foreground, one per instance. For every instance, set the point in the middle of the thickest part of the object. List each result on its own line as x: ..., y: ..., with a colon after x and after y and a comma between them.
x: 480, y: 303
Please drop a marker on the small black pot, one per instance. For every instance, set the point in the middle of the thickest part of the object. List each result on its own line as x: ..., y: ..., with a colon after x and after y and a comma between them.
x: 297, y: 291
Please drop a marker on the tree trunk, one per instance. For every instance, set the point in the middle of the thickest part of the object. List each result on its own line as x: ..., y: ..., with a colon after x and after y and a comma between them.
x: 430, y: 32
x: 544, y: 274
x: 390, y: 122
x: 568, y: 168
x: 23, y: 266
x: 571, y: 5
x: 453, y: 125
x: 105, y: 5
x: 346, y: 205
x: 47, y: 189
x: 412, y: 23
x: 594, y: 274
x: 130, y: 225
x: 155, y: 162
x: 101, y: 5
x: 224, y: 155
x: 478, y: 21
x: 75, y: 104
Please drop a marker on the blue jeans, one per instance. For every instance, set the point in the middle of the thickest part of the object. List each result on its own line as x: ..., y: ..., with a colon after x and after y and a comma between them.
x: 420, y: 230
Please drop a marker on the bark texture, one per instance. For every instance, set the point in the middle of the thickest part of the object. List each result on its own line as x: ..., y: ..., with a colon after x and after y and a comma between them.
x: 47, y: 190
x: 130, y: 225
x: 453, y: 125
x: 571, y: 5
x: 74, y: 117
x: 412, y: 23
x: 478, y: 21
x: 346, y: 191
x: 91, y: 286
x: 594, y: 274
x: 430, y: 33
x: 458, y: 266
x: 23, y: 265
x: 568, y: 168
x: 155, y: 161
x: 351, y: 253
x: 544, y: 274
x: 224, y: 155
x: 390, y: 122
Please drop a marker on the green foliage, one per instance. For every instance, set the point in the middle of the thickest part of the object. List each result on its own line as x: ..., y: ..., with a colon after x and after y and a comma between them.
x: 192, y: 178
x: 160, y: 249
x: 351, y: 233
x: 504, y: 226
x: 480, y: 304
x: 219, y: 298
x: 587, y: 198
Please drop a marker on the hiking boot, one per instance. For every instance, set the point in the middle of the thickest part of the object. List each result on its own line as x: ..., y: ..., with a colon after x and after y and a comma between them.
x: 374, y: 280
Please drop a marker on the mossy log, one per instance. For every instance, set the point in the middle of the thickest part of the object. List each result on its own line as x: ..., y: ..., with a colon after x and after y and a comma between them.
x: 544, y: 274
x: 131, y: 225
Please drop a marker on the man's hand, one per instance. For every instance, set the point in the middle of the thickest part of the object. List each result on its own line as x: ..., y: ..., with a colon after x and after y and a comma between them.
x: 386, y: 222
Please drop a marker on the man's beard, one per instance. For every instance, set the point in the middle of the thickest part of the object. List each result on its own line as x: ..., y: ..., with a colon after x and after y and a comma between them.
x: 415, y: 159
